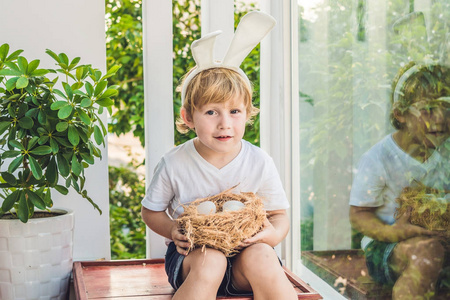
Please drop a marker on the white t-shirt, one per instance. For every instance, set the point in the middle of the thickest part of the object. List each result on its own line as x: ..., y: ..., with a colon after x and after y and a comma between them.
x: 386, y: 169
x: 183, y: 175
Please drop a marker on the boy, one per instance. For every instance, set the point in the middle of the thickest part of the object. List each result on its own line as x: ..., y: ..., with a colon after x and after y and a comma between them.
x: 216, y: 106
x: 398, y: 253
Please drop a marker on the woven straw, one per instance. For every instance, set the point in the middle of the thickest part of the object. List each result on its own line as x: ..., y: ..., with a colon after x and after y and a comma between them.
x: 223, y: 231
x: 429, y: 208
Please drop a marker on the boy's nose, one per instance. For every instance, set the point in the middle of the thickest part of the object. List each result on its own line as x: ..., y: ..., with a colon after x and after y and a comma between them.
x: 224, y: 122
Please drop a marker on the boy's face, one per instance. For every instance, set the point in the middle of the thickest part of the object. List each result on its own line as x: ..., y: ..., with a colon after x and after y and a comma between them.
x: 220, y: 127
x: 427, y: 123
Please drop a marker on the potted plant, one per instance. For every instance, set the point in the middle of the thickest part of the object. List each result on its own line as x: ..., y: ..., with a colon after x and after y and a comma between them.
x: 50, y: 131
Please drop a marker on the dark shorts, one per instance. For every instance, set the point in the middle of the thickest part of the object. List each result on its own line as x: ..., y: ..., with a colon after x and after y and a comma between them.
x: 173, y: 264
x: 377, y: 260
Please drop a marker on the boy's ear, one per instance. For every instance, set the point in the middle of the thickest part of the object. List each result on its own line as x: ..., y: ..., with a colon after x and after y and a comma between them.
x: 398, y: 115
x: 187, y: 118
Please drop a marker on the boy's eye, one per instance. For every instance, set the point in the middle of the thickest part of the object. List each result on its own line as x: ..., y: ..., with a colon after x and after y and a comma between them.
x: 235, y: 111
x: 210, y: 112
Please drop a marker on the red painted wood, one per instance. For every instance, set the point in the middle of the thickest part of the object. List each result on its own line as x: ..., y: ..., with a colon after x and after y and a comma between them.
x: 142, y: 280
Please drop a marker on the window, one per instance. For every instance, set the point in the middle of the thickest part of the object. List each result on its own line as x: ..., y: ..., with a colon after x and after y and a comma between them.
x: 348, y: 55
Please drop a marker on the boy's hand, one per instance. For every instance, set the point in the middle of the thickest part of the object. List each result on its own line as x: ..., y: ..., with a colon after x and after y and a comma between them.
x: 180, y: 240
x: 267, y: 231
x: 405, y: 230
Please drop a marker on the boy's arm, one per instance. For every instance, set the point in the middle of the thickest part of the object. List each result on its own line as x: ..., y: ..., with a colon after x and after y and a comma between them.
x: 364, y: 220
x: 162, y: 224
x: 276, y: 227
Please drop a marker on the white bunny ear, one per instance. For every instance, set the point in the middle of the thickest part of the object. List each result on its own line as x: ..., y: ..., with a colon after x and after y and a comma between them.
x: 252, y: 28
x: 203, y: 50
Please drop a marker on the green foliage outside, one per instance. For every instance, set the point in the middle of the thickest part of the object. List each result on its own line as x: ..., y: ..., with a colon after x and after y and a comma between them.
x: 124, y: 48
x: 127, y: 229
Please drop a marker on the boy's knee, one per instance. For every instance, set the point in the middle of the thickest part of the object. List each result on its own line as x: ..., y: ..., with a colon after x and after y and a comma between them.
x: 428, y: 254
x: 259, y: 257
x: 209, y: 264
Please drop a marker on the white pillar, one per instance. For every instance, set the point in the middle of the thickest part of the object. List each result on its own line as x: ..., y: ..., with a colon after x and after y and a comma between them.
x: 218, y: 15
x: 159, y: 134
x: 276, y: 94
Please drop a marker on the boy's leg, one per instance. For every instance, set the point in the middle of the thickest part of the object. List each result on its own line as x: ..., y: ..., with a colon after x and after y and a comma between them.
x: 257, y: 269
x: 417, y: 262
x: 202, y: 274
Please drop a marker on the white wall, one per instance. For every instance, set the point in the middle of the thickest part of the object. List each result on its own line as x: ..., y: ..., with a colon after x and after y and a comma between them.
x: 76, y: 28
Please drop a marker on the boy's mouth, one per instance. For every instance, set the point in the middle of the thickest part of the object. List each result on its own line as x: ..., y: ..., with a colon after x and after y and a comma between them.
x: 223, y: 137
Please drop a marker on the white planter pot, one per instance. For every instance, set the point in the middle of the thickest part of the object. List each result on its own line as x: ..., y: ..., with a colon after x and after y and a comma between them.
x: 36, y: 257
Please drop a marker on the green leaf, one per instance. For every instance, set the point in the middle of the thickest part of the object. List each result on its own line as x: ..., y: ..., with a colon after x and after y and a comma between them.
x: 11, y: 83
x: 35, y: 199
x: 32, y: 113
x: 54, y: 145
x: 23, y: 64
x: 32, y: 66
x: 22, y: 82
x: 63, y: 190
x: 35, y: 167
x: 23, y: 209
x: 113, y: 70
x: 61, y: 126
x: 73, y: 136
x: 9, y: 201
x: 84, y: 116
x: 58, y: 105
x: 68, y: 90
x: 48, y: 199
x: 4, y: 49
x: 105, y: 102
x: 52, y: 54
x: 13, y: 56
x: 9, y: 178
x: 51, y: 172
x: 98, y: 136
x: 80, y: 72
x: 88, y: 158
x: 76, y: 166
x: 108, y: 93
x: 74, y: 62
x: 42, y: 117
x: 11, y: 154
x: 39, y: 72
x: 59, y: 93
x: 32, y: 142
x: 89, y: 88
x: 63, y: 58
x: 86, y: 102
x: 26, y: 123
x: 42, y: 150
x: 100, y: 87
x: 76, y: 86
x: 15, y: 164
x: 63, y: 165
x: 12, y: 66
x: 9, y: 72
x: 16, y: 144
x: 65, y: 112
x: 4, y: 126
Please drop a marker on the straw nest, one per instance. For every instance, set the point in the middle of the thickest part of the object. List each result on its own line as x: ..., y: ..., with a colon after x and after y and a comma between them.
x: 429, y: 207
x: 223, y: 230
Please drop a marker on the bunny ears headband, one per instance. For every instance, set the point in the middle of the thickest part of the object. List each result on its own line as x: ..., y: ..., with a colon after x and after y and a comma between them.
x: 405, y: 76
x: 252, y: 28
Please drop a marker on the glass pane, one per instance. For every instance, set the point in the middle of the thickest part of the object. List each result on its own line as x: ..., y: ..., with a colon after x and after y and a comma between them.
x: 350, y: 52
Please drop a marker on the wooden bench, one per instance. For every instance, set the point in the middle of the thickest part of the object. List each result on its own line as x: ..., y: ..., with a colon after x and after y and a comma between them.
x: 142, y: 279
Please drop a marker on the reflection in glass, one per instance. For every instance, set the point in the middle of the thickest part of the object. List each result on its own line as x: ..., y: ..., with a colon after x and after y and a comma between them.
x: 349, y: 54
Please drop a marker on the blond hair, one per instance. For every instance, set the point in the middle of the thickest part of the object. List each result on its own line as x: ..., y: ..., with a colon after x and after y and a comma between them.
x: 215, y: 85
x: 418, y: 82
